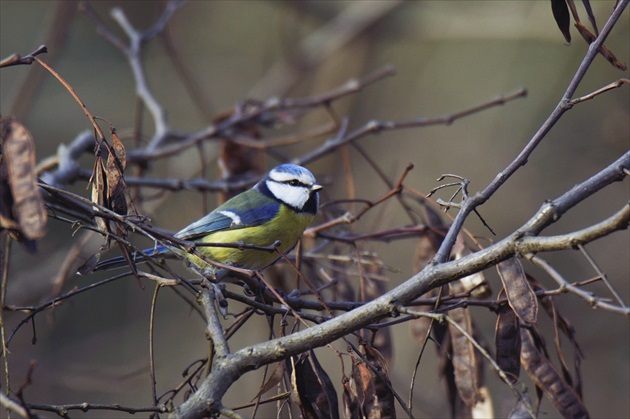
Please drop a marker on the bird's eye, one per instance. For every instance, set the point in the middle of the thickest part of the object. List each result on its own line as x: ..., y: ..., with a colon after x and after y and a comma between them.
x: 294, y: 182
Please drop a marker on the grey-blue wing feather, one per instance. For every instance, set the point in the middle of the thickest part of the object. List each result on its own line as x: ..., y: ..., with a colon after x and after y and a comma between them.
x: 221, y: 219
x: 249, y: 209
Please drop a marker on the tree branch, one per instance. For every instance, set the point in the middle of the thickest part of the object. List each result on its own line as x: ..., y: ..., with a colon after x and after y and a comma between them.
x: 481, y: 197
x: 228, y: 369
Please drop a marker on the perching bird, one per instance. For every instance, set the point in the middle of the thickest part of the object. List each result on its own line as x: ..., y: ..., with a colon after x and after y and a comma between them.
x: 278, y: 208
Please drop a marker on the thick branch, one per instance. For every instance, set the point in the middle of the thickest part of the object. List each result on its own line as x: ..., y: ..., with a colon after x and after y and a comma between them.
x: 228, y: 369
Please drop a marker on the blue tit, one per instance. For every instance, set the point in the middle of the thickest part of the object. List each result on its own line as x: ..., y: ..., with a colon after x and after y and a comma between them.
x: 278, y: 208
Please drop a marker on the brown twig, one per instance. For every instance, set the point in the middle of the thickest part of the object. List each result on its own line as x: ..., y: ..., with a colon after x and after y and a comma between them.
x: 592, y: 95
x: 16, y: 59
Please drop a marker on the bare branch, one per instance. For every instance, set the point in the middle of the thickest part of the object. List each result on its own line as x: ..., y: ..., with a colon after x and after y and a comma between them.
x: 63, y: 409
x: 502, y: 177
x: 592, y: 300
x: 228, y: 369
x: 214, y: 330
x: 13, y: 406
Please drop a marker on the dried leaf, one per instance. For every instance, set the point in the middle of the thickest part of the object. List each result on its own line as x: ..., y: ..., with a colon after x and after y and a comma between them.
x: 561, y: 324
x: 419, y: 327
x: 562, y: 18
x: 382, y: 341
x: 7, y: 220
x: 445, y: 366
x: 543, y: 373
x: 374, y: 288
x: 507, y: 339
x: 424, y: 253
x: 315, y: 392
x: 382, y: 404
x: 28, y: 210
x: 114, y: 168
x: 520, y: 295
x: 373, y: 390
x: 326, y: 383
x: 603, y: 50
x: 98, y: 190
x: 465, y: 362
x: 476, y: 283
x: 273, y: 380
x: 235, y: 159
x: 464, y: 357
x: 351, y: 402
x: 437, y: 228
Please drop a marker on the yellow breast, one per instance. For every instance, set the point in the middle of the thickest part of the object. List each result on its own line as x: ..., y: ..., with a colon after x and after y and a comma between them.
x: 287, y: 227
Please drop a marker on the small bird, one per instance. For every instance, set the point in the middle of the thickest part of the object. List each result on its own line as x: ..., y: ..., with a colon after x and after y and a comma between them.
x: 278, y: 208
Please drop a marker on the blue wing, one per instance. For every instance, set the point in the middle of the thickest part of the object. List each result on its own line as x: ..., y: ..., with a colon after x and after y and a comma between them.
x: 248, y: 209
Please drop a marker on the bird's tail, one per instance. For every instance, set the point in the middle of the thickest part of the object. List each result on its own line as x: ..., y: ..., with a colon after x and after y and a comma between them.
x: 120, y: 261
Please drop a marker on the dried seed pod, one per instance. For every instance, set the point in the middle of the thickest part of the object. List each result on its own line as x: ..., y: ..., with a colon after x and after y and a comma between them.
x: 28, y: 213
x: 543, y: 373
x: 507, y: 339
x: 562, y: 18
x: 313, y: 389
x: 114, y: 168
x: 562, y: 325
x: 351, y: 402
x: 464, y: 357
x: 519, y: 293
x: 476, y: 283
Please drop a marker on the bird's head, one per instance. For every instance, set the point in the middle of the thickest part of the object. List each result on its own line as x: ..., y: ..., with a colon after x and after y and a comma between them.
x: 294, y: 186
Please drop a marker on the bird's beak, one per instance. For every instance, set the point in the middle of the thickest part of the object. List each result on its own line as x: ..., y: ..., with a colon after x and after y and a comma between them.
x: 316, y: 187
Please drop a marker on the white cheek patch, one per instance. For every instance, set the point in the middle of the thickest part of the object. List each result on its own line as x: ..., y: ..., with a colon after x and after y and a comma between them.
x: 236, y: 220
x: 293, y: 196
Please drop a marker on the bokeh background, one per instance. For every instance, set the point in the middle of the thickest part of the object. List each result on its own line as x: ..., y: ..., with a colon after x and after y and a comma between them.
x: 448, y: 55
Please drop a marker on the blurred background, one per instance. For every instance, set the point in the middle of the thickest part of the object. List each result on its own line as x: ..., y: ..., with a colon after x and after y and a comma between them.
x: 448, y: 56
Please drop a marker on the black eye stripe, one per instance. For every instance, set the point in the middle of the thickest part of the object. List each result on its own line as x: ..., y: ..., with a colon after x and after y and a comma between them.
x: 294, y: 182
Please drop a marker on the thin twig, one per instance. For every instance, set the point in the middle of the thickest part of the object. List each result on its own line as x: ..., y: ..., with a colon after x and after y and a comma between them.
x: 602, y: 275
x: 16, y: 59
x: 151, y: 343
x: 592, y: 300
x: 592, y: 95
x: 62, y: 409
